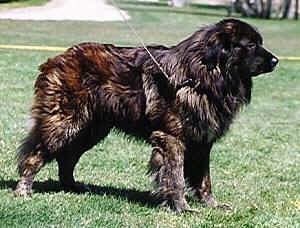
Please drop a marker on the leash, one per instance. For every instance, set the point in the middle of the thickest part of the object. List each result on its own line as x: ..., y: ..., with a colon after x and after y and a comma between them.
x: 138, y: 38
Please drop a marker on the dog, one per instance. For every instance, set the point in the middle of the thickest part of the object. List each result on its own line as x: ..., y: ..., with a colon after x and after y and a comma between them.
x: 181, y: 104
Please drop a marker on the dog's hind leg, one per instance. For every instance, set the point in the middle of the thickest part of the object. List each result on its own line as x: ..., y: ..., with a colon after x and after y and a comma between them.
x: 67, y: 161
x: 68, y: 158
x: 31, y: 159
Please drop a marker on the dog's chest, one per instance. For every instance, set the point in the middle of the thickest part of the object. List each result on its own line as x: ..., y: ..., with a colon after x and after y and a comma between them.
x: 197, y: 130
x: 203, y: 120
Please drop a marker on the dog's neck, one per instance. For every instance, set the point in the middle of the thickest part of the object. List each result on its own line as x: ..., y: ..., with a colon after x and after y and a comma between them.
x: 196, y: 83
x: 216, y: 82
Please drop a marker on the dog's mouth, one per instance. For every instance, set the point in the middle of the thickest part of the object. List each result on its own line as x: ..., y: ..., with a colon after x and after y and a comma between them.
x: 263, y: 66
x: 273, y: 68
x: 263, y: 70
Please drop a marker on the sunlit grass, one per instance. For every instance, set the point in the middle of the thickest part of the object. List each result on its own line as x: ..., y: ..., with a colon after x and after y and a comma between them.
x: 21, y: 3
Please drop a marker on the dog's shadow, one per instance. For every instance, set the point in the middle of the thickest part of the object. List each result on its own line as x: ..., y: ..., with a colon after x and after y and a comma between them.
x: 144, y: 198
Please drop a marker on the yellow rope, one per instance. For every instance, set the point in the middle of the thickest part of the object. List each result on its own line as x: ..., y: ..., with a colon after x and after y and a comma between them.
x: 58, y: 49
x: 290, y: 58
x: 31, y: 48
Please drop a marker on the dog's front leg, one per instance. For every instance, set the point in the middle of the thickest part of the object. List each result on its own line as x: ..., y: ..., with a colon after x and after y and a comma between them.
x: 166, y: 165
x: 197, y: 173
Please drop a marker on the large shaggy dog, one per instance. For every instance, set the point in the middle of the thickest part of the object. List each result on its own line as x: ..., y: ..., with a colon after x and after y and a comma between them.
x: 81, y: 94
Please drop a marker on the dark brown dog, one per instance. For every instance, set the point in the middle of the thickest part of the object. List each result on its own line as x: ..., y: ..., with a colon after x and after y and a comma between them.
x: 81, y: 94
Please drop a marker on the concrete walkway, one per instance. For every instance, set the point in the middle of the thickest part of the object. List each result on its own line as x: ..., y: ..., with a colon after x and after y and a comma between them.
x: 82, y: 10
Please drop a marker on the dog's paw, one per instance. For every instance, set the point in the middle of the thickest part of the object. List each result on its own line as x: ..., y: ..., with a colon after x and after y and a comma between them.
x: 22, y: 191
x: 177, y: 206
x: 77, y: 188
x: 210, y: 201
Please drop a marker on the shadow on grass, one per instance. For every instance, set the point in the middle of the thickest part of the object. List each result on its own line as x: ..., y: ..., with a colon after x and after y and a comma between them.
x: 132, y: 195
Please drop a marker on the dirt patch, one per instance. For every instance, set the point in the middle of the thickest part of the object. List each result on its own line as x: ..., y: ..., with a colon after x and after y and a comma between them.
x: 82, y: 10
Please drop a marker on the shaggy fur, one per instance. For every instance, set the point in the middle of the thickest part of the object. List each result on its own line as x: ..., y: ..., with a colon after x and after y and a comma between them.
x: 81, y: 94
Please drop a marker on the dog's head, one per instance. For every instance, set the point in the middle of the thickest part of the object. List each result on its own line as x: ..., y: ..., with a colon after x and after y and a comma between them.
x: 237, y: 48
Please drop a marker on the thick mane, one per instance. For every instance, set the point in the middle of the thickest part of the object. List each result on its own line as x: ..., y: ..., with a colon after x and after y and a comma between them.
x: 215, y: 95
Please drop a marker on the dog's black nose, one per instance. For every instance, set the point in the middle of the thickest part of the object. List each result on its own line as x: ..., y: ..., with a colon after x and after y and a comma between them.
x: 274, y: 62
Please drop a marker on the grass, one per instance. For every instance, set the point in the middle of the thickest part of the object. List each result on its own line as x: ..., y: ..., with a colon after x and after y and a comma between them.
x: 21, y: 3
x: 255, y: 167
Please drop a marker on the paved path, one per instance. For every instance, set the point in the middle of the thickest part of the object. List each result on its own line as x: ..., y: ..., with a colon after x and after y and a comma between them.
x: 83, y: 10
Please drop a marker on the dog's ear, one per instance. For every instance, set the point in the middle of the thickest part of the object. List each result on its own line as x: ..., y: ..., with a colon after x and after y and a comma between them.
x: 218, y: 45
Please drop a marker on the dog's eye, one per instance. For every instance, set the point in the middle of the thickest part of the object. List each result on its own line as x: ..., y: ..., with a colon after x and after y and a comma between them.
x: 251, y: 46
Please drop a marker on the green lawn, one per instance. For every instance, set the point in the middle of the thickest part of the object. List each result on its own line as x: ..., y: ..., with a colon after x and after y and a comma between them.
x: 255, y: 167
x: 21, y: 3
